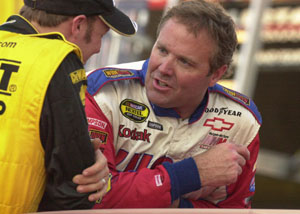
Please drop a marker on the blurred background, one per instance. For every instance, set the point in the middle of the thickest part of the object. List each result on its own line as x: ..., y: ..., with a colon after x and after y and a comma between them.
x: 266, y: 67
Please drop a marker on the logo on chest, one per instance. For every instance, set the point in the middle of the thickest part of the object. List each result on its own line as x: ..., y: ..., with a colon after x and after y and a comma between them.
x: 223, y: 111
x: 134, y: 111
x: 134, y: 134
x: 216, y: 135
x: 218, y: 124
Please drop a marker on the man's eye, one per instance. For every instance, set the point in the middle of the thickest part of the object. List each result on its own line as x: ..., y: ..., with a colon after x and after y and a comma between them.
x: 162, y: 50
x: 184, y: 62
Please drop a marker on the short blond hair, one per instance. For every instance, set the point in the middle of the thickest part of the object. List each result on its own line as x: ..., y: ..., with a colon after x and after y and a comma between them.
x: 43, y: 18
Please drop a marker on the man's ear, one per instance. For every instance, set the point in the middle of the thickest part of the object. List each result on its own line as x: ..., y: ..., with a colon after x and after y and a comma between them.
x: 217, y: 75
x: 79, y: 25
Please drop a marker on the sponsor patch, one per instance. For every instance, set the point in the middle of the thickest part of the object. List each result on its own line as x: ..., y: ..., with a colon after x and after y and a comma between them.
x: 218, y: 124
x: 134, y: 110
x: 252, y: 185
x: 223, y: 110
x: 239, y: 96
x: 154, y: 125
x: 115, y: 73
x: 99, y: 134
x: 78, y: 76
x: 134, y: 134
x: 98, y: 123
x: 212, y: 139
x: 158, y: 181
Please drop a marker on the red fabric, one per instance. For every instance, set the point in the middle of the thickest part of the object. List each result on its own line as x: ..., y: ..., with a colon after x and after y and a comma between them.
x: 129, y: 189
x: 240, y: 190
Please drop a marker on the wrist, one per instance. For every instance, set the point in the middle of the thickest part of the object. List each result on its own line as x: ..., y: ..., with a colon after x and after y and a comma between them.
x: 184, y: 177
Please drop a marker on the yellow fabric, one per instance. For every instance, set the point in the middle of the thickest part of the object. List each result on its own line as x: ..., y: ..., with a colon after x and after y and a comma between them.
x: 9, y: 7
x: 27, y: 64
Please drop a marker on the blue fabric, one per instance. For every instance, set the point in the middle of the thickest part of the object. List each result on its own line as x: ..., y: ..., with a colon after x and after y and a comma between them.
x: 237, y: 97
x: 185, y: 203
x: 184, y: 177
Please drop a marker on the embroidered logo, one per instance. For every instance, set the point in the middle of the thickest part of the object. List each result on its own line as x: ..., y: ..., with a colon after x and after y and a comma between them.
x: 134, y: 110
x: 218, y: 124
x: 154, y: 125
x: 134, y: 134
x: 95, y: 122
x: 114, y: 73
x: 158, y: 181
x: 99, y: 134
x: 239, y: 96
x: 213, y: 139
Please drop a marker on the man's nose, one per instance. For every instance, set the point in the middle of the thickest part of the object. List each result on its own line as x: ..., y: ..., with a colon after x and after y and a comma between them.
x: 167, y: 66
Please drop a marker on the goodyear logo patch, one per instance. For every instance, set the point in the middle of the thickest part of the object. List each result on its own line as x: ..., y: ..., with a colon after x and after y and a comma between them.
x: 114, y: 73
x: 239, y: 96
x: 133, y: 110
x: 99, y: 134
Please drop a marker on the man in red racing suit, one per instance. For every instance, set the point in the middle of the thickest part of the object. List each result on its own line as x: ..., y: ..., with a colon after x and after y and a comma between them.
x: 150, y: 147
x: 140, y: 138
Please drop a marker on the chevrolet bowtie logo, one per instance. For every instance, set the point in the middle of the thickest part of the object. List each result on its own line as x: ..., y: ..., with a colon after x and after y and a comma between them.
x: 218, y: 124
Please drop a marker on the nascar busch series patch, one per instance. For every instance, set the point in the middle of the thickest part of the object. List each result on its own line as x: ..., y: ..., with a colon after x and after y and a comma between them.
x: 134, y: 110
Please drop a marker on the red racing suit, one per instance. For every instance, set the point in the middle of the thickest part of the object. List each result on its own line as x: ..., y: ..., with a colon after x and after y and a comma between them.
x: 149, y: 149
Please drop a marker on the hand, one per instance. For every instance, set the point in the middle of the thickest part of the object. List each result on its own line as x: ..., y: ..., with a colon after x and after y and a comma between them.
x: 94, y: 178
x: 221, y: 164
x: 203, y: 192
x: 208, y: 193
x: 175, y: 204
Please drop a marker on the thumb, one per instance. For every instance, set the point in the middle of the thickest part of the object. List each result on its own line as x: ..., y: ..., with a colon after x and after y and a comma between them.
x: 96, y: 143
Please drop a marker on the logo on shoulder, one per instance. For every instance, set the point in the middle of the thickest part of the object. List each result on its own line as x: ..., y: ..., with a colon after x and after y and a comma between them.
x: 133, y: 110
x: 115, y: 73
x: 239, y: 96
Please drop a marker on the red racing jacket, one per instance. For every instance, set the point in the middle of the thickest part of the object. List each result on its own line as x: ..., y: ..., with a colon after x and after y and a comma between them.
x: 149, y: 149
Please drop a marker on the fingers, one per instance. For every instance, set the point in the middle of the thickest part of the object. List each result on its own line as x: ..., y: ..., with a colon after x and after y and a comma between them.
x: 94, y: 178
x: 99, y: 165
x: 98, y: 195
x: 96, y: 143
x: 239, y: 171
x: 241, y: 157
x: 87, y: 181
x: 93, y: 186
x: 243, y: 151
x: 91, y: 178
x: 221, y: 164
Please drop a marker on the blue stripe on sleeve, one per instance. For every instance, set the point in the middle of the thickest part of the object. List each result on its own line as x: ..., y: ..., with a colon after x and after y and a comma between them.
x: 184, y: 177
